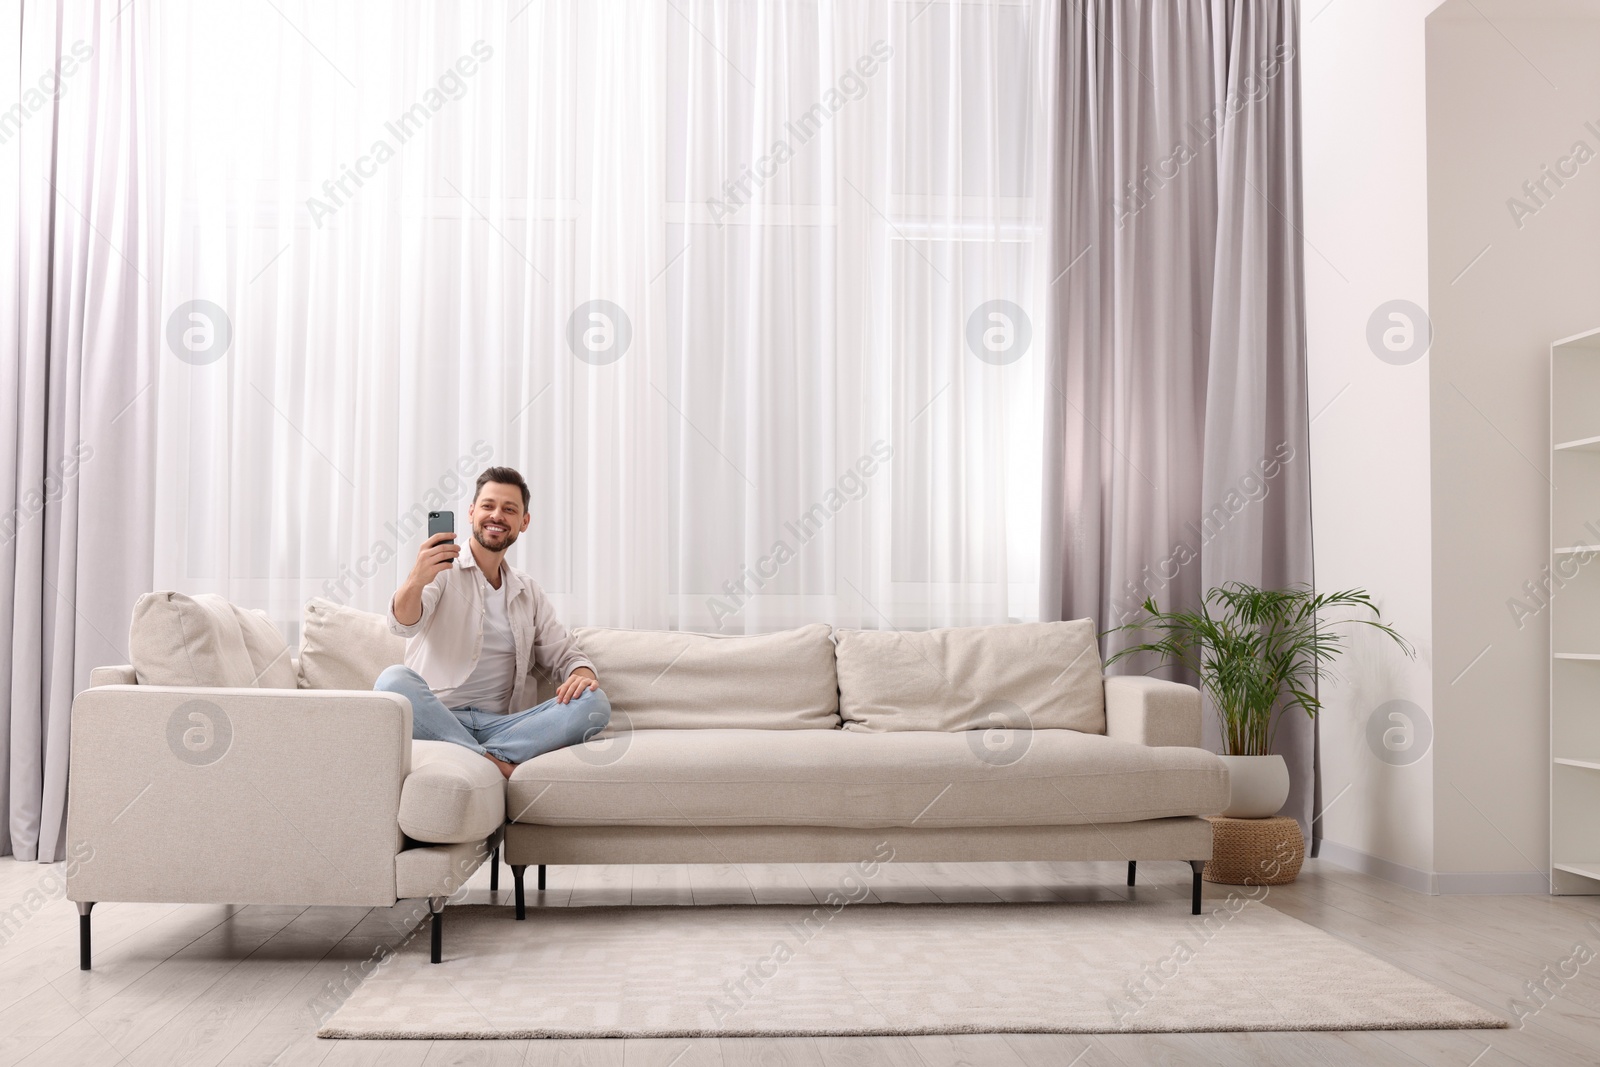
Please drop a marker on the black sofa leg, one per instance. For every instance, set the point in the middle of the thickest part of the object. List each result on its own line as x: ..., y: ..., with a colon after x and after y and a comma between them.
x: 494, y: 869
x: 517, y: 870
x: 84, y: 907
x: 1133, y: 865
x: 541, y: 878
x: 436, y: 905
x: 1199, y: 867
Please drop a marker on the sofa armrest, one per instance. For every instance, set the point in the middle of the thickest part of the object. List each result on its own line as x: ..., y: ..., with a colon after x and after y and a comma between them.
x: 1152, y: 711
x: 121, y: 674
x: 236, y: 796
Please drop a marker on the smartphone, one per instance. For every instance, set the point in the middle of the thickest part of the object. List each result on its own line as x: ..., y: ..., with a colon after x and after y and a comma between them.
x: 441, y: 522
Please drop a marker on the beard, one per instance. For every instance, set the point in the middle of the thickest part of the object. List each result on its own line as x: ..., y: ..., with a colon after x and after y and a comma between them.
x: 494, y: 542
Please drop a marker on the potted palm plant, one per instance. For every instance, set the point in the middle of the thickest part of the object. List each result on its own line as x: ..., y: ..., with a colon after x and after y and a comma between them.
x: 1259, y: 654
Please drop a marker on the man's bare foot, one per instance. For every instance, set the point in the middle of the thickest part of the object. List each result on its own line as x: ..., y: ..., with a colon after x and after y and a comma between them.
x: 505, y: 768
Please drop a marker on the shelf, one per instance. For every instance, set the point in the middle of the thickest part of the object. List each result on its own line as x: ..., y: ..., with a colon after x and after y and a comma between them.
x: 1588, y: 339
x: 1575, y: 627
x: 1588, y: 870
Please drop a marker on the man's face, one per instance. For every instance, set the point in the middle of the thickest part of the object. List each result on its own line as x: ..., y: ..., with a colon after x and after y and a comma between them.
x: 497, y: 516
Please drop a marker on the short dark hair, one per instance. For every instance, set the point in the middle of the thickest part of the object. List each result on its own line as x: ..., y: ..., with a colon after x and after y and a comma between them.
x: 504, y: 476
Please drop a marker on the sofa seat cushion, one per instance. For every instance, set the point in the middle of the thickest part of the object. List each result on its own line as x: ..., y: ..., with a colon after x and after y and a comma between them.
x: 865, y: 780
x: 452, y: 795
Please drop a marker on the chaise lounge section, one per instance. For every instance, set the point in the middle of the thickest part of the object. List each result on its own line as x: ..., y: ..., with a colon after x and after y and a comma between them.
x: 209, y: 774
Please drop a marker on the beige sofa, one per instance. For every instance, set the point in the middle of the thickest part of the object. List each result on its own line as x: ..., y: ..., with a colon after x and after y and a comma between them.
x: 222, y: 768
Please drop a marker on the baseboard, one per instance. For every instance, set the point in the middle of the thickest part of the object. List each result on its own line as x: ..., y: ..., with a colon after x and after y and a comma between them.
x: 1449, y: 883
x: 1364, y: 863
x: 1469, y: 883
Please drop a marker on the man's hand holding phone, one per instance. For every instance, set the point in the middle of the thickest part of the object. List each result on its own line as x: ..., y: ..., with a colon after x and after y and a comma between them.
x: 438, y: 553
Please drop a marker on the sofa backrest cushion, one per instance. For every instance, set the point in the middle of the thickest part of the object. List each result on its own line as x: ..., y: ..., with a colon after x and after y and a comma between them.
x: 345, y: 648
x: 177, y: 639
x: 1038, y: 675
x: 269, y: 652
x: 675, y: 680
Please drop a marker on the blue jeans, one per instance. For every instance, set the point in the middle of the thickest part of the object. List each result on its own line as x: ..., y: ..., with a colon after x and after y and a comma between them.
x: 514, y: 738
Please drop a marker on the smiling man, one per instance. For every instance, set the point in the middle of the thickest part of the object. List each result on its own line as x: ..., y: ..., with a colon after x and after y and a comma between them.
x: 473, y: 622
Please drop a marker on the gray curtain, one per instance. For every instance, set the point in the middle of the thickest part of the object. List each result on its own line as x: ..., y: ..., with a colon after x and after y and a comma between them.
x: 75, y: 528
x: 1177, y: 423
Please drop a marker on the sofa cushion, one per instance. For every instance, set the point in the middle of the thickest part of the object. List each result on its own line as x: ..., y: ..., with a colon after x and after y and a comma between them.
x: 452, y: 795
x: 871, y: 780
x: 176, y: 639
x: 1043, y: 675
x: 673, y: 680
x: 269, y: 653
x: 343, y: 648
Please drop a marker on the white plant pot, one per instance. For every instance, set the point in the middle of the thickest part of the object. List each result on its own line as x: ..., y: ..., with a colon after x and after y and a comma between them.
x: 1257, y: 786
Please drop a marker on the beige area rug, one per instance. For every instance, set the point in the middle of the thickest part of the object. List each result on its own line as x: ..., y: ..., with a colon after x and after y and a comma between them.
x: 776, y: 970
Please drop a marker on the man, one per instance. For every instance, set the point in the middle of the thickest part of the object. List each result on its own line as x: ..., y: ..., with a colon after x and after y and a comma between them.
x: 472, y: 622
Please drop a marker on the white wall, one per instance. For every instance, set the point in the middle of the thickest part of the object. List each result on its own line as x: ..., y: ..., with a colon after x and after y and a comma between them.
x: 1363, y: 84
x: 1429, y: 478
x: 1512, y: 88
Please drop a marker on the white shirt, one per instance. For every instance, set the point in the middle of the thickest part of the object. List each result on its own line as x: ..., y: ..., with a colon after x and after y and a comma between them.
x: 488, y: 687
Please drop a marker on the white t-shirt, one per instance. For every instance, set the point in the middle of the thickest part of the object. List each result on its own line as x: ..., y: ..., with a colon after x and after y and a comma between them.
x: 488, y: 687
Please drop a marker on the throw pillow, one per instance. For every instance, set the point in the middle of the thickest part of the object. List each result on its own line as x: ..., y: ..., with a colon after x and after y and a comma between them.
x: 177, y: 639
x: 344, y: 648
x: 269, y: 652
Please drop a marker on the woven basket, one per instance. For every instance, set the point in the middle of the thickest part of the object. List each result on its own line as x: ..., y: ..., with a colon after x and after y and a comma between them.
x: 1254, y: 851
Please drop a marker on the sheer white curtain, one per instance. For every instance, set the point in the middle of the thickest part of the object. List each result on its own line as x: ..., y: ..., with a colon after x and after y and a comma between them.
x: 752, y: 293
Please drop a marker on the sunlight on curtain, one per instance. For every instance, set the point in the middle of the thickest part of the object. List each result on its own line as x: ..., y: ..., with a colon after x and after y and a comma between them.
x: 751, y: 293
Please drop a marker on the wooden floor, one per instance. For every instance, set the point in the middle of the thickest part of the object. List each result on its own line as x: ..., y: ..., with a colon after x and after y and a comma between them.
x: 203, y: 984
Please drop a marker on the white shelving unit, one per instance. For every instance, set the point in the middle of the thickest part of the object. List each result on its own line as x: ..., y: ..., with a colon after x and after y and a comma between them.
x: 1575, y: 614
